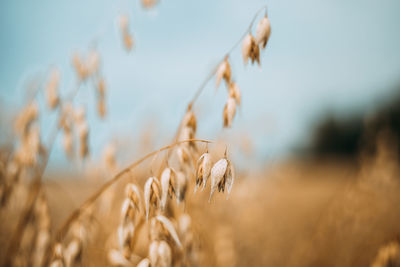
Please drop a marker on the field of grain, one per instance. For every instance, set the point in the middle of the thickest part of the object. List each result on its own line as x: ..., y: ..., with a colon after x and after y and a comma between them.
x: 192, y: 201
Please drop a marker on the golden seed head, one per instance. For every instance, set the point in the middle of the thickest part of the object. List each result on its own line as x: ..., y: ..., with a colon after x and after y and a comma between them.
x: 263, y: 32
x: 234, y: 91
x: 151, y: 194
x: 223, y: 72
x: 168, y: 184
x: 222, y: 176
x: 250, y: 49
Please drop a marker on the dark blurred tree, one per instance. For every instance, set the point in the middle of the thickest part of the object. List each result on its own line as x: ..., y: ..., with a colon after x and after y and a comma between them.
x: 335, y: 136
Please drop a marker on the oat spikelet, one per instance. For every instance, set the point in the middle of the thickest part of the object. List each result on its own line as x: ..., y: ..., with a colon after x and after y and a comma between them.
x: 132, y: 192
x: 160, y: 254
x: 127, y: 210
x: 126, y: 36
x: 263, y: 32
x: 168, y: 183
x: 203, y: 170
x: 229, y: 111
x: 115, y: 257
x: 126, y: 232
x: 149, y: 3
x: 52, y: 88
x: 250, y: 49
x: 223, y: 72
x: 80, y: 67
x: 189, y: 127
x: 222, y: 176
x: 169, y: 227
x: 151, y: 194
x: 73, y: 252
x: 234, y: 91
x: 181, y: 186
x: 144, y: 263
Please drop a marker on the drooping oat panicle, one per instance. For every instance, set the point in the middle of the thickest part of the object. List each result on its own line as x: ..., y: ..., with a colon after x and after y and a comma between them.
x: 229, y: 111
x: 160, y: 254
x: 223, y: 72
x: 250, y: 50
x: 169, y: 227
x: 222, y: 176
x: 234, y: 91
x: 52, y: 88
x: 203, y: 170
x: 151, y: 194
x: 263, y: 32
x: 168, y: 184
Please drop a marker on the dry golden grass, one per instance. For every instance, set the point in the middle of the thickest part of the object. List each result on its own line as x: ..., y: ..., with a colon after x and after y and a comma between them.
x: 293, y: 214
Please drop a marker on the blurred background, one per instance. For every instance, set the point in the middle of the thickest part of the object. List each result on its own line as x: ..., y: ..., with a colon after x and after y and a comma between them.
x: 329, y: 65
x: 315, y: 140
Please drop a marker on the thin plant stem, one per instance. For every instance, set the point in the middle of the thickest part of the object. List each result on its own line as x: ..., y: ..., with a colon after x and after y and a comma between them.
x: 209, y: 76
x: 76, y: 213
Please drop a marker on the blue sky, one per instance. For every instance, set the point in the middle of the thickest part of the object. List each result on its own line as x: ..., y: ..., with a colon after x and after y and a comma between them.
x: 333, y: 55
